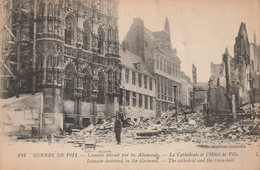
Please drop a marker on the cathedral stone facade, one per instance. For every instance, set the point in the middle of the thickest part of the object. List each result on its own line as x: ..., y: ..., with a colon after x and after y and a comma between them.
x: 75, y: 46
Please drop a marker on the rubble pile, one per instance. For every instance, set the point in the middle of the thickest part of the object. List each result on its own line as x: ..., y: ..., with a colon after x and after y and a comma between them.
x: 99, y: 132
x: 190, y: 127
x: 185, y: 127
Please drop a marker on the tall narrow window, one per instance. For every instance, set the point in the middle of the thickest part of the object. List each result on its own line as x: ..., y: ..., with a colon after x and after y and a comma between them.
x: 121, y: 97
x: 86, y: 87
x: 151, y: 83
x: 140, y: 100
x: 140, y: 80
x: 133, y: 77
x: 101, y: 88
x: 86, y: 37
x: 127, y: 75
x: 69, y: 30
x: 127, y: 97
x: 145, y: 82
x: 101, y: 39
x: 151, y: 103
x: 50, y: 9
x: 157, y: 62
x: 40, y: 62
x: 41, y: 9
x: 164, y: 66
x: 161, y: 63
x: 170, y: 90
x: 134, y: 99
x: 110, y: 81
x: 58, y: 10
x: 159, y: 86
x: 69, y: 83
x: 146, y: 102
x: 115, y: 34
x: 168, y: 68
x: 162, y: 87
x: 116, y: 81
x: 109, y: 33
x: 165, y: 88
x: 49, y: 65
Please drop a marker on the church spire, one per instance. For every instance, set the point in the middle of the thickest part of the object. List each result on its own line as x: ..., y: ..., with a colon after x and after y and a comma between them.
x: 167, y: 26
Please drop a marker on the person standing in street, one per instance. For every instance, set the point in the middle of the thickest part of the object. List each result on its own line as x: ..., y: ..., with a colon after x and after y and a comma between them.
x: 117, y: 129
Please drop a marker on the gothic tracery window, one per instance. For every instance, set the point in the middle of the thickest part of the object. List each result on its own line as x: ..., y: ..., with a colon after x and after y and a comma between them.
x: 86, y: 87
x: 110, y: 81
x: 69, y: 30
x: 69, y: 83
x: 101, y: 88
x: 49, y: 72
x: 101, y: 39
x: 117, y: 79
x: 86, y: 37
x: 40, y: 64
x: 59, y: 9
x: 41, y: 9
x: 109, y: 33
x: 115, y: 34
x: 50, y: 9
x: 49, y: 61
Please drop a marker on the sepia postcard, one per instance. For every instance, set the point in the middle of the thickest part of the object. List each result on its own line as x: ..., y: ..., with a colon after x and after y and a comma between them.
x: 130, y: 84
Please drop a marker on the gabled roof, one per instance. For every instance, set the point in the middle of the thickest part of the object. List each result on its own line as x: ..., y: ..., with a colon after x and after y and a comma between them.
x: 128, y: 59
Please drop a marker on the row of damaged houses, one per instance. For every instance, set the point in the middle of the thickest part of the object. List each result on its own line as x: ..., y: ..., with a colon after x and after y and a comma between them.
x: 63, y: 67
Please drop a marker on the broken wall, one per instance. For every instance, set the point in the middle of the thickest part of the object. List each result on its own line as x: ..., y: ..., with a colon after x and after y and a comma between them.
x: 22, y: 116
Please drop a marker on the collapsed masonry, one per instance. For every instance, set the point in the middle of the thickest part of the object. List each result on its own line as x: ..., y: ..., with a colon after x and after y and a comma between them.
x: 187, y: 127
x: 234, y: 85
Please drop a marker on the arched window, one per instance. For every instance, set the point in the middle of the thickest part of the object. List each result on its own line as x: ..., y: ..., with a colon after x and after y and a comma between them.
x: 86, y: 87
x: 101, y: 89
x: 115, y: 34
x: 41, y: 9
x: 54, y: 62
x: 59, y: 62
x: 40, y: 64
x: 86, y: 37
x: 50, y: 9
x: 116, y: 80
x: 101, y: 39
x: 49, y: 65
x: 49, y: 61
x: 59, y: 9
x: 110, y: 81
x: 69, y: 30
x: 40, y: 61
x: 109, y: 33
x: 69, y: 83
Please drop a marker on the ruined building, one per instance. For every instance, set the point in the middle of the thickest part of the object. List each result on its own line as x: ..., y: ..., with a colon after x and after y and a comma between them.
x: 255, y: 53
x: 161, y: 59
x: 68, y: 50
x: 234, y: 78
x: 186, y: 90
x: 215, y: 70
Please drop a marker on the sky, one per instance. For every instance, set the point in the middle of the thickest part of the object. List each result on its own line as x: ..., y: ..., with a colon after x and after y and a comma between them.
x: 201, y: 30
